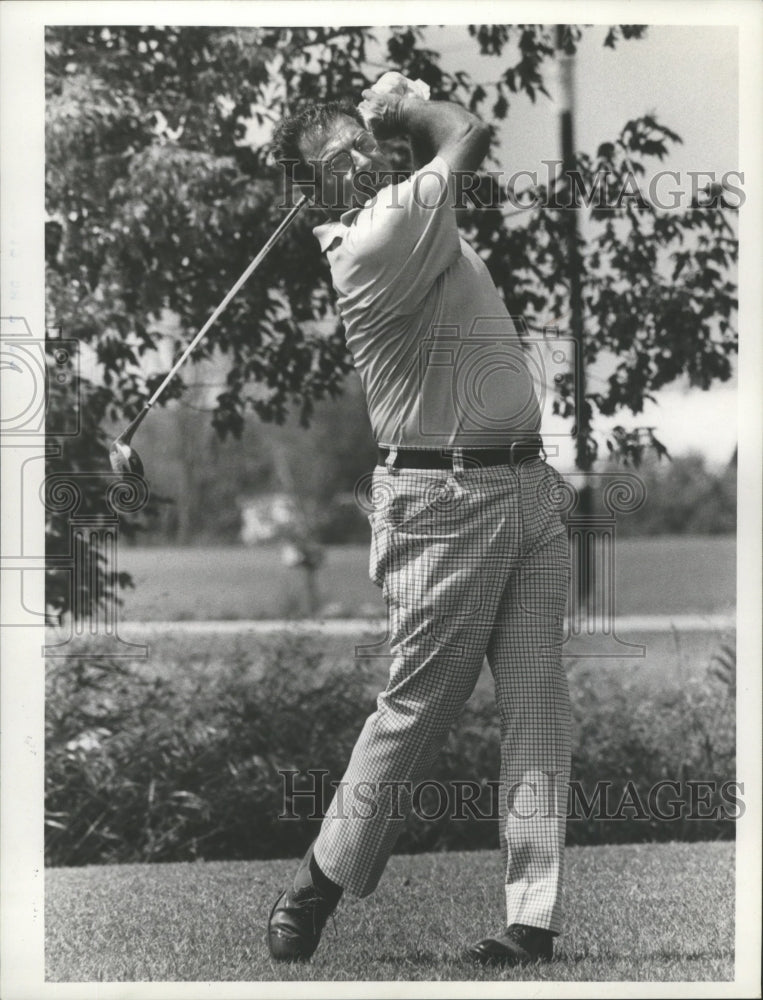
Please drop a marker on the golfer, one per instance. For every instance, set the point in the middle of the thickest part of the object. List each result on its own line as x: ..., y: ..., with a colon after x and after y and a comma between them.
x: 467, y: 546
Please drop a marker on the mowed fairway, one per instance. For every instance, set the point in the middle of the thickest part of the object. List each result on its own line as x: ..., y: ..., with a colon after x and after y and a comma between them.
x: 648, y: 912
x: 666, y: 575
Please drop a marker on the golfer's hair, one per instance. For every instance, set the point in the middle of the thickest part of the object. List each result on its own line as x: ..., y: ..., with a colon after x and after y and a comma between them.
x: 303, y: 124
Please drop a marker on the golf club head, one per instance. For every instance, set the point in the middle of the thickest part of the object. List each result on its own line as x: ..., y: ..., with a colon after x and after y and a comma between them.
x: 124, y: 459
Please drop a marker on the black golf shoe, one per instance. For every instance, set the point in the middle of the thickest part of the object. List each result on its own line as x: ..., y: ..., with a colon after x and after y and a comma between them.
x: 296, y: 923
x: 300, y: 914
x: 518, y: 945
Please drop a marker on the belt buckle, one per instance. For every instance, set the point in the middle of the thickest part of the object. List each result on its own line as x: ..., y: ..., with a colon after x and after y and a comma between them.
x: 457, y: 460
x: 389, y: 462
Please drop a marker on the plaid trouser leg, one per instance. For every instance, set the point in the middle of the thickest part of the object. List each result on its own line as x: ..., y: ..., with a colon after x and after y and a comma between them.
x: 534, y: 711
x: 430, y: 552
x: 443, y: 549
x: 394, y: 752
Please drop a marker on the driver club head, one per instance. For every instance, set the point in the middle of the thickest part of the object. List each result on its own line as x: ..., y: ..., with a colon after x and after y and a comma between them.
x: 124, y: 458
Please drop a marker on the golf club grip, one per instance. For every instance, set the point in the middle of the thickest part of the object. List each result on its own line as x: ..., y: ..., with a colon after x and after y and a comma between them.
x: 241, y: 281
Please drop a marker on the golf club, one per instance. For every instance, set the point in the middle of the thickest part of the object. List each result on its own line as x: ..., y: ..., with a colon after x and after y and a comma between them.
x: 122, y: 455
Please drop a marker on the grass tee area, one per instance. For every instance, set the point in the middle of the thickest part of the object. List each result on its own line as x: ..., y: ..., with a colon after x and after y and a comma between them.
x: 164, y: 787
x: 635, y: 912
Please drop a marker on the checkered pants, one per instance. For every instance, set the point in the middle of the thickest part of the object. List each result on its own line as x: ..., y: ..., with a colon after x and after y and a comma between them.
x: 471, y: 564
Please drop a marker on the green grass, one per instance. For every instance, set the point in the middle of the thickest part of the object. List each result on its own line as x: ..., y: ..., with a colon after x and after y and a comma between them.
x: 666, y: 575
x: 633, y: 913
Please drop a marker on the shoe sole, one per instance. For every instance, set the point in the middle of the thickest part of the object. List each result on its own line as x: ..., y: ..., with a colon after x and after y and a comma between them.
x: 507, y: 958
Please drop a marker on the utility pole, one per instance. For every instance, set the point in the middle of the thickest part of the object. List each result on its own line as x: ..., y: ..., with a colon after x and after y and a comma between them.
x: 584, y: 561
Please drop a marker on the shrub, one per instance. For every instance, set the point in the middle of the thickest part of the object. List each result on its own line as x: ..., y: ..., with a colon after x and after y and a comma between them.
x: 155, y: 769
x: 146, y: 770
x: 682, y: 735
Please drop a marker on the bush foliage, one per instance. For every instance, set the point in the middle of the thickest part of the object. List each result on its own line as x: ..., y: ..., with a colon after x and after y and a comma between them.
x: 143, y: 769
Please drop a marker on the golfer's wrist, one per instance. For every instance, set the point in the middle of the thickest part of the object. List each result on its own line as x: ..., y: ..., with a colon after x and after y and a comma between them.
x: 403, y: 117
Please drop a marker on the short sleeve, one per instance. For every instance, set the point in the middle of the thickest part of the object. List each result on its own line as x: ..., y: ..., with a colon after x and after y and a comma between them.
x: 404, y: 240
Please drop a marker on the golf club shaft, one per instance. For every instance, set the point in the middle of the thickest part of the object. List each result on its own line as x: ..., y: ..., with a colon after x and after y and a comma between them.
x: 202, y: 332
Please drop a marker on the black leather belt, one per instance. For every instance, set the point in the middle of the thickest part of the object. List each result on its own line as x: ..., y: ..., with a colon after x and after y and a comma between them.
x: 473, y: 458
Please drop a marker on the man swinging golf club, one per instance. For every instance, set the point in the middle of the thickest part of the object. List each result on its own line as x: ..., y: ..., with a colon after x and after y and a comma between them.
x: 466, y: 542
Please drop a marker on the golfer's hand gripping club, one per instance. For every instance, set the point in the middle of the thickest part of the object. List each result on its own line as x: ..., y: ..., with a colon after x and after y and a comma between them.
x: 380, y: 105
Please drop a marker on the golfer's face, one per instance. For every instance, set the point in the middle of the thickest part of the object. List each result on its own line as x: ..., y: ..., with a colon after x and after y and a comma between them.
x: 347, y: 162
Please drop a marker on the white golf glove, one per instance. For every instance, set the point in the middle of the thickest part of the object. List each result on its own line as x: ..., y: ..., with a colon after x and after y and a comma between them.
x: 396, y: 83
x: 380, y: 103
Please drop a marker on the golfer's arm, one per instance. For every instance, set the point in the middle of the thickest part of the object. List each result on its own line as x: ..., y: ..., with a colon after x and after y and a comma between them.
x: 439, y: 128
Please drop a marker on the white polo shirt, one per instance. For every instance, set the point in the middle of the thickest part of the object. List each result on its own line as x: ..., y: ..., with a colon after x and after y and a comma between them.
x: 436, y: 350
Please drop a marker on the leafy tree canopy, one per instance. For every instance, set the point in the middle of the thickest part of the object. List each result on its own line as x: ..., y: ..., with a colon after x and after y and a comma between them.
x: 161, y: 204
x: 157, y: 201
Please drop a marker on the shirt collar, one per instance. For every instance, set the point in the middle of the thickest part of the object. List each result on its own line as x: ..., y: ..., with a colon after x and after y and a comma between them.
x: 327, y: 232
